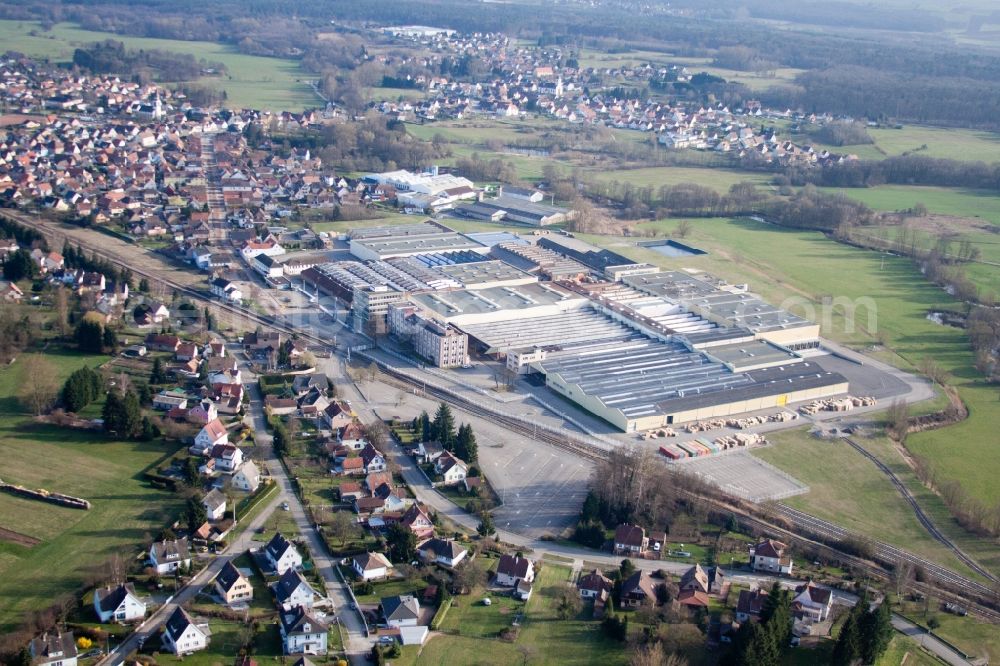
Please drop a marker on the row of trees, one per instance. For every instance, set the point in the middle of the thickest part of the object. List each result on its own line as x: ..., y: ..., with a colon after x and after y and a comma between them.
x: 111, y: 57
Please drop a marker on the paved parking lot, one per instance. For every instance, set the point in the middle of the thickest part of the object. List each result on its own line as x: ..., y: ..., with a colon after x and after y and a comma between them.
x: 541, y: 487
x: 745, y: 476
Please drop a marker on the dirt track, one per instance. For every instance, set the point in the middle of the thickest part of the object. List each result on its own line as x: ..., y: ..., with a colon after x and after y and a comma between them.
x: 10, y: 536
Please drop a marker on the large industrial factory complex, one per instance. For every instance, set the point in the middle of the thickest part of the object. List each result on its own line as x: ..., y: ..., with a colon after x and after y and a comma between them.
x: 637, y: 347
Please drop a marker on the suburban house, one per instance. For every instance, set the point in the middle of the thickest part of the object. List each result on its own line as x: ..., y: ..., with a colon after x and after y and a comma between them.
x: 232, y: 586
x: 282, y: 554
x: 292, y: 590
x: 215, y: 504
x: 750, y: 604
x: 246, y: 477
x: 452, y: 468
x: 303, y: 384
x: 118, y: 604
x: 168, y: 556
x: 812, y: 602
x: 632, y: 540
x: 638, y: 589
x: 204, y: 412
x: 445, y: 552
x: 352, y: 436
x: 167, y: 400
x: 227, y: 457
x: 514, y: 568
x: 162, y: 342
x: 337, y: 415
x: 182, y: 636
x: 769, y: 555
x: 371, y: 566
x: 373, y: 460
x: 594, y: 585
x: 53, y: 649
x: 400, y: 611
x: 418, y: 522
x: 212, y: 434
x: 301, y: 632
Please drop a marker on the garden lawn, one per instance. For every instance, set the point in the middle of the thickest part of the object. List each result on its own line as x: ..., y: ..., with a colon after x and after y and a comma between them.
x: 719, y: 179
x: 249, y: 81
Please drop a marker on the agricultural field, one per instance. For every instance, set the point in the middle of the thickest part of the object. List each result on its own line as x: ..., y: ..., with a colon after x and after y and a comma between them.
x: 718, y: 179
x: 950, y: 143
x: 72, y: 544
x: 249, y: 81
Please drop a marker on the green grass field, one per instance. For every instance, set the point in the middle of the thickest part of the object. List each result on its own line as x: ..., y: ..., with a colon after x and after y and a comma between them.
x: 719, y: 179
x: 948, y: 143
x: 74, y: 544
x: 956, y: 202
x: 250, y: 81
x: 844, y: 486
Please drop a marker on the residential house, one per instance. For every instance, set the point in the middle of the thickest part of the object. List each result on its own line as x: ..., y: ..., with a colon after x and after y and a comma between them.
x: 630, y: 540
x: 301, y: 632
x: 168, y: 556
x: 594, y: 584
x: 428, y: 452
x: 400, y: 611
x: 750, y: 604
x: 352, y: 436
x: 352, y: 465
x: 770, y: 555
x: 418, y: 522
x: 292, y: 590
x: 523, y: 590
x: 514, y: 568
x: 445, y: 552
x: 172, y: 399
x: 186, y: 351
x: 232, y: 586
x: 337, y: 415
x: 246, y: 477
x: 181, y: 635
x: 162, y: 342
x: 227, y: 457
x: 302, y: 384
x: 350, y: 491
x: 638, y: 590
x: 812, y: 602
x: 215, y: 504
x: 373, y: 460
x: 282, y: 554
x: 451, y: 468
x: 204, y: 412
x: 213, y: 434
x: 371, y: 566
x: 53, y: 649
x: 118, y: 604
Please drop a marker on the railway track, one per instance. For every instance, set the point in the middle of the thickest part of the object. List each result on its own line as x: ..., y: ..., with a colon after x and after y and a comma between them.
x: 922, y: 517
x: 889, y: 555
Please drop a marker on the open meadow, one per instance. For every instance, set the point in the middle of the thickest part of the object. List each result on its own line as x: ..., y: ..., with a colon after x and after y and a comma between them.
x: 249, y: 81
x: 72, y: 544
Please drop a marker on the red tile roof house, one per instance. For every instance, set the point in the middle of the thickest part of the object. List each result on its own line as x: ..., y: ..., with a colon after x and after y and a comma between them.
x: 769, y: 555
x: 353, y: 465
x: 750, y: 604
x: 812, y: 602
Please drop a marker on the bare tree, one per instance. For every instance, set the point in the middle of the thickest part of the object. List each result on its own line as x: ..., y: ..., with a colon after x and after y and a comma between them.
x: 62, y: 311
x: 898, y: 421
x: 342, y: 527
x: 39, y: 387
x: 683, y: 229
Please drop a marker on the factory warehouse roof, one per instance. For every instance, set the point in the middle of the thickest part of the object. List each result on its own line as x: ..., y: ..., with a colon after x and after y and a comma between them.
x: 499, y: 302
x: 553, y: 331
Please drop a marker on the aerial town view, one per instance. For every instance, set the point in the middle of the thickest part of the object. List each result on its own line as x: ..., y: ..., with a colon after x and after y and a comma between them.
x: 461, y: 332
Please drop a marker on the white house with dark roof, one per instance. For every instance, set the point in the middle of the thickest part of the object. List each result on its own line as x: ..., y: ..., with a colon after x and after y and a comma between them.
x: 400, y: 611
x: 118, y: 604
x: 168, y: 556
x: 53, y: 649
x: 282, y: 554
x: 513, y: 568
x: 227, y: 457
x: 812, y: 602
x: 770, y: 555
x: 181, y: 635
x: 292, y: 590
x: 302, y: 632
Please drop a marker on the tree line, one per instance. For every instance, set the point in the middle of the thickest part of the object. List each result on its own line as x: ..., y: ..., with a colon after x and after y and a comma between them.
x: 111, y: 57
